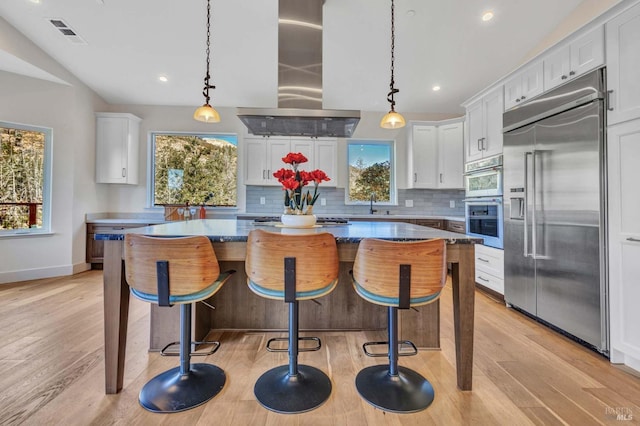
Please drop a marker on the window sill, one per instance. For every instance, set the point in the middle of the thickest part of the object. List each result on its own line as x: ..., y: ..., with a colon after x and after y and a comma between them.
x: 23, y: 234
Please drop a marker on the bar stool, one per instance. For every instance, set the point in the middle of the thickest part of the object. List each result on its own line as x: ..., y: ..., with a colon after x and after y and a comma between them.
x: 398, y: 275
x: 180, y: 271
x: 292, y: 268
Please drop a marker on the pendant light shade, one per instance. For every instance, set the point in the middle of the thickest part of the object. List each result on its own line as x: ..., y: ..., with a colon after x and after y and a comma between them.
x: 392, y: 120
x: 206, y: 112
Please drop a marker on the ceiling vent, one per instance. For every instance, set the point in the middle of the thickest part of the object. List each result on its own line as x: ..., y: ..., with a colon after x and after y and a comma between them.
x: 67, y: 31
x: 300, y: 111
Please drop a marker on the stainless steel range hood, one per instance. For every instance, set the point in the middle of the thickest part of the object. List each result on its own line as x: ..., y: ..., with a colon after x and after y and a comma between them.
x: 299, y: 111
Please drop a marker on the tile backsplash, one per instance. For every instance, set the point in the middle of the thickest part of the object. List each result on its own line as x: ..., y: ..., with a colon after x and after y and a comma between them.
x: 428, y: 202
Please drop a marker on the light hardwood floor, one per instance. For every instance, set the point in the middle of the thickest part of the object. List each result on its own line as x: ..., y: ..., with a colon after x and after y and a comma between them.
x: 52, y: 371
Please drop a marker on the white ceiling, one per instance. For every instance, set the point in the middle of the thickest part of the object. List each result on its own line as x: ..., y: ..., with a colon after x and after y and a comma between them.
x: 131, y: 42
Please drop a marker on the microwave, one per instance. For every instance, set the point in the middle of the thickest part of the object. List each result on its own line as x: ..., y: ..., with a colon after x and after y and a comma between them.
x: 483, y: 178
x: 484, y: 217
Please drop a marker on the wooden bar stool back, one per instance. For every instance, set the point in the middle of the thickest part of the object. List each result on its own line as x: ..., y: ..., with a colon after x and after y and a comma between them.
x: 399, y: 275
x: 292, y: 268
x: 176, y: 271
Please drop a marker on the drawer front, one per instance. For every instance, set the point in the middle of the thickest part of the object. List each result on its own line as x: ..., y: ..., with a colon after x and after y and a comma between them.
x: 431, y: 223
x: 490, y: 281
x: 455, y: 226
x: 111, y: 228
x: 490, y: 260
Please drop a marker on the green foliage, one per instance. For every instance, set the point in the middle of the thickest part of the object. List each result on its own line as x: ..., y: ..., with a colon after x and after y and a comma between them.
x: 209, y: 166
x: 21, y: 176
x: 375, y: 179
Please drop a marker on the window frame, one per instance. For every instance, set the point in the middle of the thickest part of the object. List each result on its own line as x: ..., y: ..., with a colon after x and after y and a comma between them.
x: 46, y: 177
x: 393, y: 189
x: 151, y: 169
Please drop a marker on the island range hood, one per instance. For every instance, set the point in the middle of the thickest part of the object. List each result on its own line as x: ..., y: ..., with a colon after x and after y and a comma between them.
x: 299, y: 111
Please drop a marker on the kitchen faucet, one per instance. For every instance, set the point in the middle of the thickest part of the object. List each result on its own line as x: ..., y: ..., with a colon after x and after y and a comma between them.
x: 371, y: 201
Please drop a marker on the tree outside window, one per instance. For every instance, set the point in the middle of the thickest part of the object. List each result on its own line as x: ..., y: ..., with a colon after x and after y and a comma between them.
x: 24, y: 165
x: 195, y: 168
x: 371, y: 172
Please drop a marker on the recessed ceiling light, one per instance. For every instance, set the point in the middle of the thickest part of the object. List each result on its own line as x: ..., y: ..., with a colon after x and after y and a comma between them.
x: 487, y: 16
x: 35, y: 1
x: 435, y: 88
x: 163, y: 78
x: 411, y: 12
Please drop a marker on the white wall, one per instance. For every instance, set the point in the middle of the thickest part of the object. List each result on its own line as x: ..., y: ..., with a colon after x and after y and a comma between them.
x: 69, y: 111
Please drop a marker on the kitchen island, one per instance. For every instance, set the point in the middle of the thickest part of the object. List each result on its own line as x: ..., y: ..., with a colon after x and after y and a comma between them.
x: 229, y: 241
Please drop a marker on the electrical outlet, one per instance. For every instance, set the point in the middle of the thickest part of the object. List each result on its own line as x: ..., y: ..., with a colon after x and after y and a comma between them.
x: 452, y: 204
x: 323, y: 201
x: 408, y: 203
x: 263, y: 200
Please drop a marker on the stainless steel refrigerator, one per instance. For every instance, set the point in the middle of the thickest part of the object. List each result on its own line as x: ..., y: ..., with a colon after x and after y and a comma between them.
x: 555, y: 209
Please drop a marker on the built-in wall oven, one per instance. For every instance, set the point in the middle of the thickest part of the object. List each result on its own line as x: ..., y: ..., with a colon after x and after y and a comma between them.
x: 483, y: 200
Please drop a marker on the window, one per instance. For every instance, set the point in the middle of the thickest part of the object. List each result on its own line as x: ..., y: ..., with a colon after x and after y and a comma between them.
x: 194, y: 168
x: 25, y: 178
x: 371, y: 172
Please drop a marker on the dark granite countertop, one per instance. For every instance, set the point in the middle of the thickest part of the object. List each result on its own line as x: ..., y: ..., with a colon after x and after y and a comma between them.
x: 231, y: 230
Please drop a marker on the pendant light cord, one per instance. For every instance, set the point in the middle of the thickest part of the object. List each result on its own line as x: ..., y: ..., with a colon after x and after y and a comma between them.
x: 393, y: 90
x: 207, y: 77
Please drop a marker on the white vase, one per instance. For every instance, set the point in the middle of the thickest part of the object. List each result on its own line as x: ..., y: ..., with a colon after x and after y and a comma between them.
x: 299, y: 220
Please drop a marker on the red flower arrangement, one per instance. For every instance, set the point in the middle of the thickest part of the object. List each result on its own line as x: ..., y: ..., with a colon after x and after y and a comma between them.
x: 293, y: 180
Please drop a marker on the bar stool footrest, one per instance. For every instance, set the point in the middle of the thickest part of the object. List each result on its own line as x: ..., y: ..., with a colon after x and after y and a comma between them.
x: 213, y: 350
x: 413, y: 350
x: 286, y: 339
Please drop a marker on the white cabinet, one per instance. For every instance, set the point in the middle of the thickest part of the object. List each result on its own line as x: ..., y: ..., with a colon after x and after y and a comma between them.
x: 264, y: 157
x: 524, y: 85
x: 325, y: 153
x: 436, y: 155
x: 623, y: 63
x: 574, y: 58
x: 624, y: 242
x: 490, y: 268
x: 484, y: 126
x: 117, y: 148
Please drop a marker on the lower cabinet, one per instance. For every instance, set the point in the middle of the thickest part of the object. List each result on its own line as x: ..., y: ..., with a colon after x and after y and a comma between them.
x: 623, y: 156
x: 95, y: 249
x: 490, y: 268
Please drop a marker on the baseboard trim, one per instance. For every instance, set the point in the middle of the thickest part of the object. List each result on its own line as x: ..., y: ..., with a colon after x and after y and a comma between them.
x: 36, y: 274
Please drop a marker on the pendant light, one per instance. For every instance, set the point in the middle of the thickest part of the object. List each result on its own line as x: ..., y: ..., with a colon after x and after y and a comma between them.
x: 206, y: 113
x: 392, y: 120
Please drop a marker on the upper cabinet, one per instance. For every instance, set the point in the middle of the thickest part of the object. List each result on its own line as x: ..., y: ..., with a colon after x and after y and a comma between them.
x: 484, y: 126
x: 623, y: 63
x: 523, y: 85
x: 117, y: 147
x: 574, y: 58
x: 436, y: 155
x: 264, y: 157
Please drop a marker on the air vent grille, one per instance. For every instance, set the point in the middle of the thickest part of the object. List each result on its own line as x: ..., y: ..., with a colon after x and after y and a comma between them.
x: 67, y: 31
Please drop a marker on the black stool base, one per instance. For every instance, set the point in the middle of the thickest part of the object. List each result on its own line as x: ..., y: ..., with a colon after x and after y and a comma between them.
x: 170, y: 392
x: 279, y: 392
x: 408, y: 392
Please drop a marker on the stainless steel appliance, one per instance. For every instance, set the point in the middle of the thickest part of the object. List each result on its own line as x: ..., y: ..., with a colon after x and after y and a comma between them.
x: 555, y: 207
x: 484, y: 217
x: 483, y: 202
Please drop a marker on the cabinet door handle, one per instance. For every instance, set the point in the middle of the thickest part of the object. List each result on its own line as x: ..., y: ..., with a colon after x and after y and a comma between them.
x: 483, y: 260
x: 479, y: 146
x: 483, y: 147
x: 635, y: 240
x: 268, y: 174
x: 440, y: 177
x: 518, y: 100
x: 483, y: 279
x: 263, y: 173
x: 523, y: 97
x: 415, y: 177
x: 572, y: 73
x: 564, y: 77
x: 608, y: 100
x: 124, y: 172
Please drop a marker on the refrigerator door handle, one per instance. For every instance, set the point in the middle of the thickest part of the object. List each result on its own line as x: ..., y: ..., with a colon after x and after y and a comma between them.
x: 525, y: 251
x: 534, y: 234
